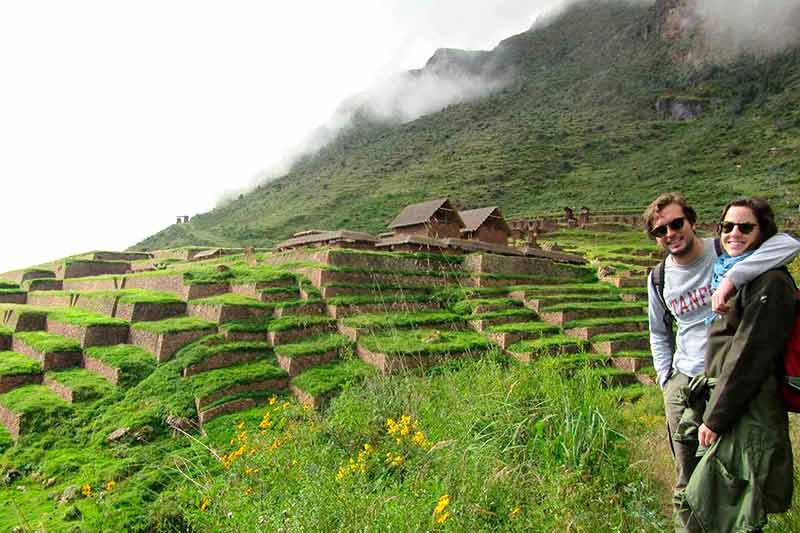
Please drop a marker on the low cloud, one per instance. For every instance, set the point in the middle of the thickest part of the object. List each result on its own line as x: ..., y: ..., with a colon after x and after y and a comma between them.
x: 735, y: 27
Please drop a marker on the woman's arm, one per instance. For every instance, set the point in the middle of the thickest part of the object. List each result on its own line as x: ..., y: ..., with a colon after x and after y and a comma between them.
x: 767, y: 305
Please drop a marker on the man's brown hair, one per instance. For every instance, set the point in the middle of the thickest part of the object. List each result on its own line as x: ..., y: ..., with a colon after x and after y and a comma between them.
x: 660, y: 203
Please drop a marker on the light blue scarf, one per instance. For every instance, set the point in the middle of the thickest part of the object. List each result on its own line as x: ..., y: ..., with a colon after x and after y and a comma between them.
x: 721, y: 267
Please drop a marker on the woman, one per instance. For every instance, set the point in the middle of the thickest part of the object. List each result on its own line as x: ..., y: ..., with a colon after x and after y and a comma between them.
x: 746, y: 471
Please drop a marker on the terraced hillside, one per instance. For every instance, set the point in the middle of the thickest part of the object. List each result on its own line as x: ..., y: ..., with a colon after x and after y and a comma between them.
x: 182, y: 393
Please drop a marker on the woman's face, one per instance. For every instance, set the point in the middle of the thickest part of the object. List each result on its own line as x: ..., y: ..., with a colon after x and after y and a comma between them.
x: 737, y: 240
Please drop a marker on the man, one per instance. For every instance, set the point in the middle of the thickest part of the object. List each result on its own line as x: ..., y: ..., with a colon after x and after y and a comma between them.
x: 687, y: 293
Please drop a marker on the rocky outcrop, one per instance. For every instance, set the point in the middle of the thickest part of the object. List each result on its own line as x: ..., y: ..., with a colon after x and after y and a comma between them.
x: 681, y: 107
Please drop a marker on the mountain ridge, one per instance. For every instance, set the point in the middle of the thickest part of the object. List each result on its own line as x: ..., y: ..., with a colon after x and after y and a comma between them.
x: 574, y: 122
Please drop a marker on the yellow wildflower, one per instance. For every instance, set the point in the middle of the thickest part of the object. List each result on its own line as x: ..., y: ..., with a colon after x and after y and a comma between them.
x: 368, y: 447
x: 110, y: 485
x: 394, y: 459
x: 248, y: 491
x: 420, y: 440
x: 86, y: 490
x: 442, y: 504
x: 204, y: 504
x: 442, y: 518
x: 240, y: 426
x: 273, y: 400
x: 514, y: 512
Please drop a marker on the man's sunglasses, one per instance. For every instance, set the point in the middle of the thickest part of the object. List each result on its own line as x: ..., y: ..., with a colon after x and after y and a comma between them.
x: 675, y: 224
x: 744, y: 227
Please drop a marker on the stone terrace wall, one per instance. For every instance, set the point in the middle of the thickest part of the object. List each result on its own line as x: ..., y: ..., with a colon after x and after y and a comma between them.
x: 518, y: 266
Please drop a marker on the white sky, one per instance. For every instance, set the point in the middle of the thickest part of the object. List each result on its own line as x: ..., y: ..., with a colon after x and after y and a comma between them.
x: 117, y: 116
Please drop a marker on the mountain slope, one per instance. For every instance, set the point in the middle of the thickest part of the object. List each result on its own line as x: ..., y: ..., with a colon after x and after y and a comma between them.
x: 576, y: 125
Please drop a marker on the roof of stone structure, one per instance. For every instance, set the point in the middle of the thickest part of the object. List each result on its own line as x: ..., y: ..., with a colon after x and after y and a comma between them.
x: 327, y: 236
x: 420, y: 213
x: 473, y: 218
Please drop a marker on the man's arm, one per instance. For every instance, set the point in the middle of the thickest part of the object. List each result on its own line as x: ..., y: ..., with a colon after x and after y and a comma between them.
x: 776, y: 251
x: 660, y: 337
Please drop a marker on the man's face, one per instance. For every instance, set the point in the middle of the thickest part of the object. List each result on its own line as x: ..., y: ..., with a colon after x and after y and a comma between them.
x: 678, y: 242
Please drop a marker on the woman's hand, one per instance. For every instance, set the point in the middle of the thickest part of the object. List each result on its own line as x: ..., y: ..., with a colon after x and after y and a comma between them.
x: 719, y: 300
x: 706, y: 436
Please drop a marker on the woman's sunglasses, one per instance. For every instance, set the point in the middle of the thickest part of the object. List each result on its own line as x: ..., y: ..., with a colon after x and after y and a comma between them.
x: 675, y: 224
x: 744, y: 227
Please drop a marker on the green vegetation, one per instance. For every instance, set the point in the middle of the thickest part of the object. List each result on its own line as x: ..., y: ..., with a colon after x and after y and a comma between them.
x: 323, y: 379
x: 79, y: 317
x: 199, y: 352
x: 15, y: 364
x: 297, y: 302
x: 172, y: 325
x: 467, y: 307
x: 230, y: 298
x: 542, y: 328
x: 621, y: 336
x: 40, y: 406
x: 252, y: 325
x: 425, y: 342
x: 133, y: 296
x: 5, y: 331
x: 400, y: 319
x: 44, y: 342
x: 521, y: 313
x: 313, y: 345
x: 11, y: 291
x: 544, y: 344
x: 134, y: 363
x: 85, y: 385
x: 298, y: 322
x: 591, y: 305
x: 215, y: 380
x: 379, y: 299
x: 603, y: 321
x: 6, y: 284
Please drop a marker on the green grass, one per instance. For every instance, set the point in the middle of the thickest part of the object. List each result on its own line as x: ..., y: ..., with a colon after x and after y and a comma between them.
x: 44, y: 342
x: 592, y: 305
x: 85, y: 385
x: 542, y: 328
x: 466, y: 307
x: 214, y: 380
x: 566, y: 288
x: 11, y: 291
x: 425, y: 342
x: 298, y: 322
x: 15, y: 364
x: 591, y: 322
x: 200, y: 352
x: 288, y: 291
x: 79, y: 317
x: 173, y: 325
x: 286, y: 304
x: 252, y: 325
x: 133, y: 362
x: 522, y: 313
x: 324, y: 379
x: 6, y: 284
x: 641, y: 354
x: 400, y: 319
x: 133, y: 296
x: 544, y: 343
x: 312, y: 346
x: 378, y: 299
x: 621, y: 336
x: 5, y: 331
x: 41, y: 407
x: 233, y: 299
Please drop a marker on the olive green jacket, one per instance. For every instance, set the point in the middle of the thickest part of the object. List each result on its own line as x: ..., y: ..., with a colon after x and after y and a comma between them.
x: 747, y: 472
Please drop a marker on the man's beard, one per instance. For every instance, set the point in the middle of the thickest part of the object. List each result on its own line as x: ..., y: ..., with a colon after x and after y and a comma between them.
x: 687, y: 248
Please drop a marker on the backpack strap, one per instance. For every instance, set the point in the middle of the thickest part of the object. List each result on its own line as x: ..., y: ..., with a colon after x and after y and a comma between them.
x: 718, y: 247
x: 659, y: 276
